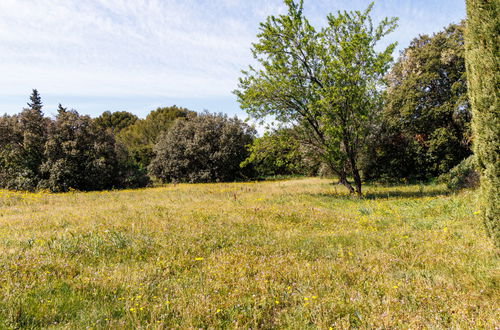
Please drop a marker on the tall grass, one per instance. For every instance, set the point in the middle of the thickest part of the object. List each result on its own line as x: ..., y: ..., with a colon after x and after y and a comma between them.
x: 294, y: 254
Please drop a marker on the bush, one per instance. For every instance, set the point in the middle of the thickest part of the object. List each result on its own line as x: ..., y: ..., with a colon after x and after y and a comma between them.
x: 206, y: 148
x: 464, y: 175
x: 279, y: 154
x: 140, y: 137
x: 82, y: 155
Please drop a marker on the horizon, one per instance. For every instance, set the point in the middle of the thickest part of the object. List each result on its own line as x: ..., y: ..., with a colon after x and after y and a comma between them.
x: 114, y: 55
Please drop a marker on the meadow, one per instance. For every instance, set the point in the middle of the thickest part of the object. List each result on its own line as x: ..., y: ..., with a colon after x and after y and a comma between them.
x: 279, y: 254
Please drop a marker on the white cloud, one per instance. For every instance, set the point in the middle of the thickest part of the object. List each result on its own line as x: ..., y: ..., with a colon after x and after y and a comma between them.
x: 170, y: 48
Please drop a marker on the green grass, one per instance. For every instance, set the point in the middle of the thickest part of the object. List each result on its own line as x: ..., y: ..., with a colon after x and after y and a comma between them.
x: 285, y: 254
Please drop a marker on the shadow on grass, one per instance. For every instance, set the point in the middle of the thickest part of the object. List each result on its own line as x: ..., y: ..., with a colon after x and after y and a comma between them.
x: 388, y: 194
x: 406, y: 194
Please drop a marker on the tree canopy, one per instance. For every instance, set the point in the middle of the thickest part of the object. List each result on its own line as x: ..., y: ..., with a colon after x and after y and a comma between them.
x: 140, y: 137
x: 206, y: 148
x: 327, y: 82
x: 424, y: 129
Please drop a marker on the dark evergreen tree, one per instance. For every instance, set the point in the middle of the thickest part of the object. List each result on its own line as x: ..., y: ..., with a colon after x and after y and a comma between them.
x: 33, y: 126
x: 36, y: 101
x: 483, y: 59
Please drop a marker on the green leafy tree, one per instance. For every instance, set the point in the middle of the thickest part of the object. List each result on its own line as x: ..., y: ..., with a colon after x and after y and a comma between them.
x: 82, y: 155
x: 206, y: 148
x: 280, y: 153
x: 116, y: 121
x: 327, y: 82
x: 140, y: 137
x: 425, y: 124
x: 482, y: 58
x: 78, y: 155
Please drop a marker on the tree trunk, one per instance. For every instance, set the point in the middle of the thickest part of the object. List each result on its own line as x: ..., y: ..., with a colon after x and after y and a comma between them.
x: 343, y: 178
x: 357, y: 181
x: 343, y: 181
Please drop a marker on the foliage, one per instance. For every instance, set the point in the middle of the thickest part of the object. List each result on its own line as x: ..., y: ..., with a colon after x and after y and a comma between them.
x: 206, y: 148
x: 23, y: 139
x: 116, y: 121
x: 140, y: 137
x: 462, y: 176
x: 328, y: 81
x: 280, y: 153
x: 283, y: 254
x: 424, y: 129
x: 482, y: 54
x: 70, y: 152
x: 78, y: 155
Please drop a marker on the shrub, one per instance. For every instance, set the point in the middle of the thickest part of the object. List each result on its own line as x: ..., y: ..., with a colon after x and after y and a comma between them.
x: 464, y: 175
x: 82, y: 155
x: 280, y: 153
x: 206, y: 148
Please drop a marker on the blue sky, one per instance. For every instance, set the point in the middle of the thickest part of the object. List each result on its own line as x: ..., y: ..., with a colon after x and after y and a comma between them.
x: 136, y: 55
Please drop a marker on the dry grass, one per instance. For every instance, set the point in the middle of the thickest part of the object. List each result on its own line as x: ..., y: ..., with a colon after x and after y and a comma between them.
x: 287, y: 254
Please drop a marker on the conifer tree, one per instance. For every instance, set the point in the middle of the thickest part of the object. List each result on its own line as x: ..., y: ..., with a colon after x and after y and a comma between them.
x: 33, y: 127
x: 482, y: 60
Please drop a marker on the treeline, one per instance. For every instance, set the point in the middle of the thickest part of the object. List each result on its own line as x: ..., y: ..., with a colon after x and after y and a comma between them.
x: 119, y: 150
x: 420, y: 131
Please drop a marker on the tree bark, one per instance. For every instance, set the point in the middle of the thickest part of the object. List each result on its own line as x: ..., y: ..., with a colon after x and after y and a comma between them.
x: 357, y: 181
x: 345, y: 183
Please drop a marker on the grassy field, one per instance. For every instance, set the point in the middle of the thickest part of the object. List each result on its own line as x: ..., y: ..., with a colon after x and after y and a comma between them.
x: 285, y: 254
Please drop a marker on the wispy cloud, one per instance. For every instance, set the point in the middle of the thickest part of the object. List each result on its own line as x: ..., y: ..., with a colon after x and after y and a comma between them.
x: 158, y: 48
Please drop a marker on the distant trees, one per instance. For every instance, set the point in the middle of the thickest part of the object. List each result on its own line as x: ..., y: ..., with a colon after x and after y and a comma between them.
x: 424, y: 128
x: 70, y: 152
x: 22, y: 142
x: 280, y: 153
x: 205, y: 148
x: 116, y: 121
x: 327, y: 82
x: 482, y: 58
x: 140, y: 138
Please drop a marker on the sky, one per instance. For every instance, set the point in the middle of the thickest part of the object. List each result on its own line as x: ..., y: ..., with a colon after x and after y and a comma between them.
x: 137, y: 55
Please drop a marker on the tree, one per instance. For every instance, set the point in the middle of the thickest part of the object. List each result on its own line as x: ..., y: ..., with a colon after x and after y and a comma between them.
x: 11, y: 146
x: 36, y: 101
x: 425, y: 124
x: 140, y: 137
x: 327, y: 82
x: 80, y: 154
x: 280, y: 153
x: 22, y: 142
x: 116, y: 121
x: 482, y: 54
x: 206, y: 148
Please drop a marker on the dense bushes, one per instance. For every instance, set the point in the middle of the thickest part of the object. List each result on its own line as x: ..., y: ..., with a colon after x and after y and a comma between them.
x: 69, y: 152
x: 280, y: 153
x: 424, y: 128
x: 141, y: 137
x: 420, y: 131
x: 206, y: 148
x: 464, y: 175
